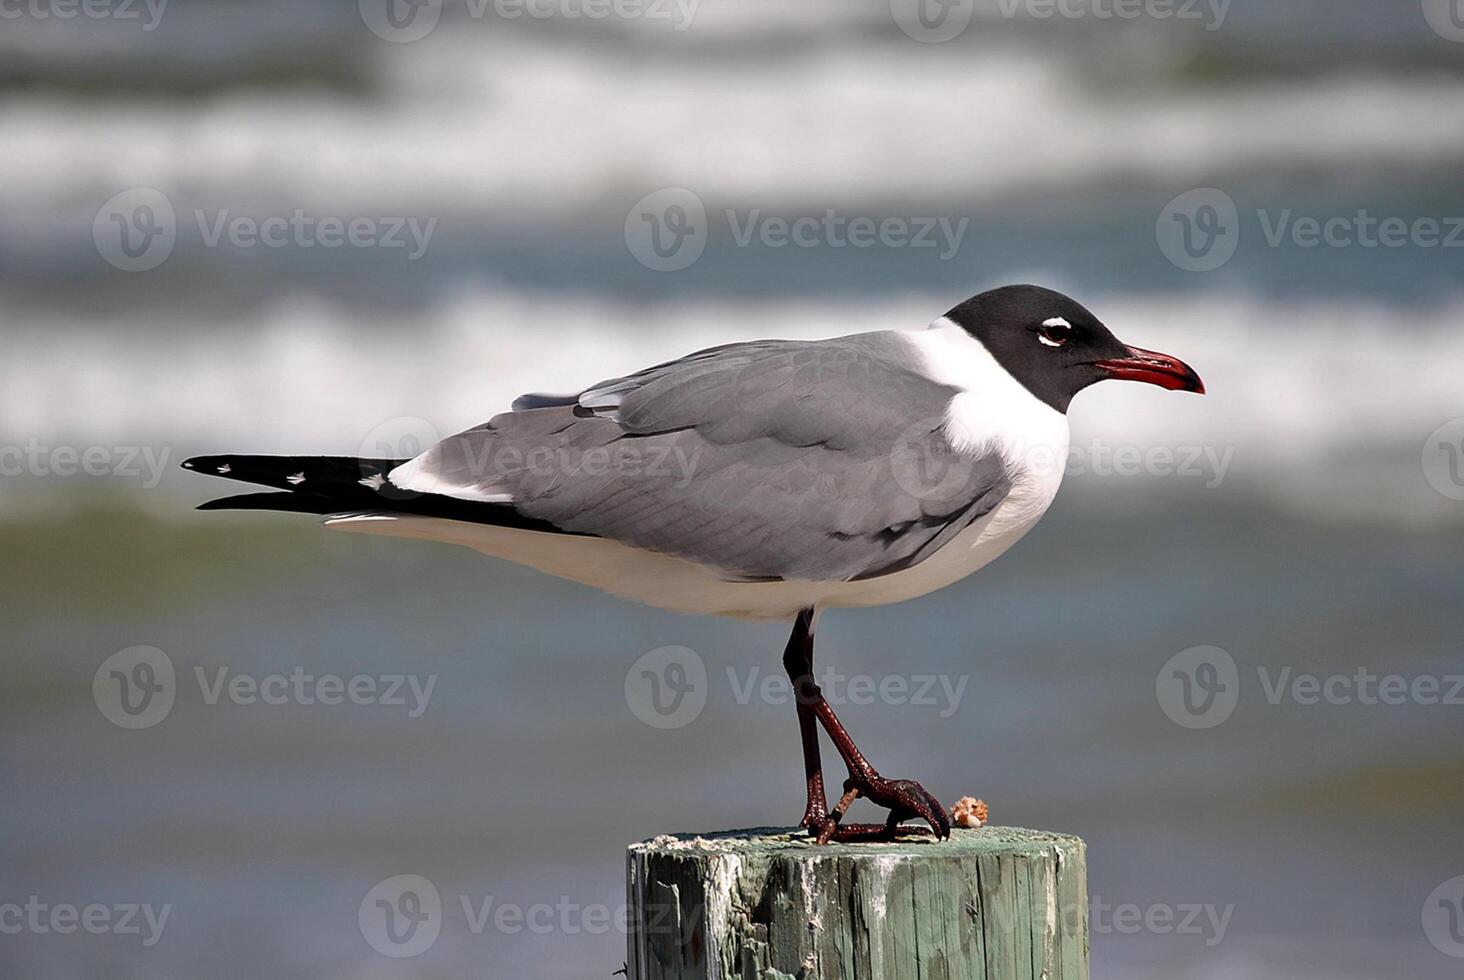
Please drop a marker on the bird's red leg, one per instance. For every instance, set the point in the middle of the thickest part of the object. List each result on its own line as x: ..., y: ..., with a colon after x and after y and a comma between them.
x: 798, y: 662
x: 904, y: 798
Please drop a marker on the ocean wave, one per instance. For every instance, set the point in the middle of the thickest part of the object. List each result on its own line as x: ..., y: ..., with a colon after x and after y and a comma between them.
x: 504, y: 125
x: 1321, y: 405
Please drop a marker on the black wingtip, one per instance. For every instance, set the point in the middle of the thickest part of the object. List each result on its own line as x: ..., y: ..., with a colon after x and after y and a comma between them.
x: 275, y: 500
x: 207, y: 464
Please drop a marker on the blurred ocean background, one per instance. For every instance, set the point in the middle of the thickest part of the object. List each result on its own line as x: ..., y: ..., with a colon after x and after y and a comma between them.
x: 1322, y: 542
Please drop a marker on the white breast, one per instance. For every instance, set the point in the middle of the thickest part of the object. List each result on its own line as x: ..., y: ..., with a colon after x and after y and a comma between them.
x: 991, y: 413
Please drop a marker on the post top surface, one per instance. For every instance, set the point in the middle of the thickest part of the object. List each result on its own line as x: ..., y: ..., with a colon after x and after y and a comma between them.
x: 771, y: 840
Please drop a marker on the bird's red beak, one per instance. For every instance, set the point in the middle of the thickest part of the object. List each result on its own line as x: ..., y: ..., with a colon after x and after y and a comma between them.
x: 1154, y: 368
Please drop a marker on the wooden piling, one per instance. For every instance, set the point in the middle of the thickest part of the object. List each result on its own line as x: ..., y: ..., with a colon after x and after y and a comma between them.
x: 997, y: 903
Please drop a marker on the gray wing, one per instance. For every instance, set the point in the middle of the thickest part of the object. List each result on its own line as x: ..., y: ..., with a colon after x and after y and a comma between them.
x: 818, y: 461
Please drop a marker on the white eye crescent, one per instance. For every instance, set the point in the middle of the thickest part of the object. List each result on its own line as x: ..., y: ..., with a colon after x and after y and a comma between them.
x: 1055, y: 332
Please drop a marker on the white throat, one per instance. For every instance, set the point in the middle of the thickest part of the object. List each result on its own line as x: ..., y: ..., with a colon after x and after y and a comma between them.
x: 993, y: 410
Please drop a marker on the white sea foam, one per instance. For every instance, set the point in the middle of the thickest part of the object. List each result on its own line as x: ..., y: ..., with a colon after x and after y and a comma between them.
x: 471, y: 123
x: 1318, y: 403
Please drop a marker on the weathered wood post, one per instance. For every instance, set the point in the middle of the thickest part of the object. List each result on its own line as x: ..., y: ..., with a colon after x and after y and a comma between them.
x: 997, y: 903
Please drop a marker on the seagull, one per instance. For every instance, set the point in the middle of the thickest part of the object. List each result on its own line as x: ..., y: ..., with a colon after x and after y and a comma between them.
x: 767, y: 480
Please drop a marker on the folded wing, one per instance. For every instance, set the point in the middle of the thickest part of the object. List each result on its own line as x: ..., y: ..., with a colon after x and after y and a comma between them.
x: 821, y: 461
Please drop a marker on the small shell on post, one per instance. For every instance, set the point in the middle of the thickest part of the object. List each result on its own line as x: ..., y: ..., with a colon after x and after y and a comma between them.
x: 969, y: 812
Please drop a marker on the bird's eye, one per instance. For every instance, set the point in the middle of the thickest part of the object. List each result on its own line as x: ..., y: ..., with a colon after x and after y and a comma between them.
x: 1055, y: 332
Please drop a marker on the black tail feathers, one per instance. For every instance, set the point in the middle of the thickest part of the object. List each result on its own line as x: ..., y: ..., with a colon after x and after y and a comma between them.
x: 310, y: 484
x: 298, y: 474
x: 343, y: 485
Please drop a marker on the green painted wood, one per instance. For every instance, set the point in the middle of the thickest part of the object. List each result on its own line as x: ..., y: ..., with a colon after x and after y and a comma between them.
x: 999, y: 903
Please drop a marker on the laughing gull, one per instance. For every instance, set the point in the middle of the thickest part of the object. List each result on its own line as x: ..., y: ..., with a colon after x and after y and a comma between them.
x: 767, y: 480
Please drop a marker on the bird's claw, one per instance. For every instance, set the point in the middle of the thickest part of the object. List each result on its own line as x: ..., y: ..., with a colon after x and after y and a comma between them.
x: 814, y: 818
x: 904, y: 798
